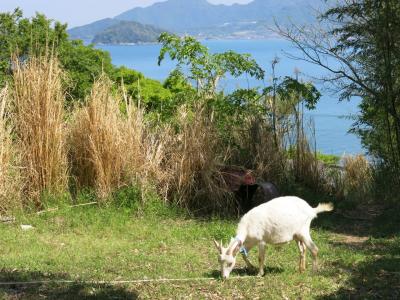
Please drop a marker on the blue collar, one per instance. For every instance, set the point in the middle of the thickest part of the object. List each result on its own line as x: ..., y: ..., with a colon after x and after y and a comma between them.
x: 242, y: 250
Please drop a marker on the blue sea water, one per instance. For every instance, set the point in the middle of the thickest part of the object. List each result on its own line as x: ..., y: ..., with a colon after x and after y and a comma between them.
x: 331, y: 125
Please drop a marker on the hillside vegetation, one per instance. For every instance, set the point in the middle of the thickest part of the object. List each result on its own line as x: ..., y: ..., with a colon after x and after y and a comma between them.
x: 127, y: 32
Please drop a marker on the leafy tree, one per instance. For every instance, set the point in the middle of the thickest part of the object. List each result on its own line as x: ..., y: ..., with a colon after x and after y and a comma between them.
x: 357, y: 41
x: 24, y: 37
x: 177, y: 83
x: 295, y: 91
x: 204, y: 68
x: 155, y: 97
x: 83, y: 64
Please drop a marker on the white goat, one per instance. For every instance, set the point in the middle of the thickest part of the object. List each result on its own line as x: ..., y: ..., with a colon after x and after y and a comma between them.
x: 278, y: 221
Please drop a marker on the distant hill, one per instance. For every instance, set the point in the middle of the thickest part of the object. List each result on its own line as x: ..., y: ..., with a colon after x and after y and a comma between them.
x: 190, y: 15
x: 206, y: 20
x: 87, y: 32
x: 127, y: 32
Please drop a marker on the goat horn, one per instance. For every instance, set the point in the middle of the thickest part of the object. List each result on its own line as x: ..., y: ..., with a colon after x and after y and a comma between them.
x: 218, y: 246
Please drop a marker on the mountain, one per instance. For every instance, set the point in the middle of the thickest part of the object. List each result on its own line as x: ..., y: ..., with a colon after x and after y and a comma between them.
x: 87, y: 32
x: 206, y: 20
x: 127, y: 32
x: 188, y: 15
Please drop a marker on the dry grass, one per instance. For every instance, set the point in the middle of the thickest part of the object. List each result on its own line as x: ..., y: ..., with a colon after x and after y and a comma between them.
x: 109, y: 143
x: 39, y: 124
x: 193, y: 159
x: 144, y: 146
x: 357, y: 178
x: 96, y: 145
x: 307, y: 169
x: 9, y: 177
x: 258, y: 150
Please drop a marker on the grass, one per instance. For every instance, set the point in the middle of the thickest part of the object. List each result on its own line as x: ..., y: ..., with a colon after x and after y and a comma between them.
x: 329, y: 159
x: 110, y: 244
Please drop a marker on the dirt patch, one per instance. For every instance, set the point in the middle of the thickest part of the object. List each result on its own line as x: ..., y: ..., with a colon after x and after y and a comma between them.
x: 352, y: 239
x: 364, y: 212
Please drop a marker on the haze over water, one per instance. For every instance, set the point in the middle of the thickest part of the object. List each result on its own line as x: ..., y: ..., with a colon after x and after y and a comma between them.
x: 330, y: 125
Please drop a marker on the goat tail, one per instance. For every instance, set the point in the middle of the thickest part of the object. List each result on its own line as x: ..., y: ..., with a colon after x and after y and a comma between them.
x: 322, y: 207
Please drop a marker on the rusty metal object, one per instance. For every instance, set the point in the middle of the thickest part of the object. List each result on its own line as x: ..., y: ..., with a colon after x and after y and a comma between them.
x: 249, y: 192
x: 235, y: 177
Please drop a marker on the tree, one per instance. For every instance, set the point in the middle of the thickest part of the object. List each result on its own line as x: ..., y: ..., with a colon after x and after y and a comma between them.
x: 24, y: 37
x: 357, y: 41
x: 204, y: 68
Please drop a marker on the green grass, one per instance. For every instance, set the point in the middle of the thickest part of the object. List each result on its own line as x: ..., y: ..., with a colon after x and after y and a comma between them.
x: 328, y: 159
x: 110, y: 244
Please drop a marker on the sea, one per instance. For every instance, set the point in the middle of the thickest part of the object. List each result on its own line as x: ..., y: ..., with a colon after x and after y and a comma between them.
x: 331, y: 119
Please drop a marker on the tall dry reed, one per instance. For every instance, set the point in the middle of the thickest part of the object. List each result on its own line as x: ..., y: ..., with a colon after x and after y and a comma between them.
x: 109, y: 143
x: 193, y: 159
x: 10, y: 197
x: 257, y: 149
x: 144, y: 146
x: 38, y: 101
x: 96, y: 145
x: 357, y: 178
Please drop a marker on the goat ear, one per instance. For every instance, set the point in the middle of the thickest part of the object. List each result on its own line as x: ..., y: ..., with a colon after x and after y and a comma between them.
x: 218, y: 246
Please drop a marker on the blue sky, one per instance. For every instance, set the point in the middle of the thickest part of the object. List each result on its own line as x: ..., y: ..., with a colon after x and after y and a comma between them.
x: 80, y: 12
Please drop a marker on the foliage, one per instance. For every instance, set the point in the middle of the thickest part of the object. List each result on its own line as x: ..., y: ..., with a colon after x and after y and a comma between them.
x: 357, y: 179
x: 306, y: 92
x: 127, y: 32
x: 83, y: 64
x: 328, y: 159
x: 25, y: 37
x: 148, y: 92
x: 36, y: 36
x: 374, y: 38
x: 357, y: 42
x: 204, y: 68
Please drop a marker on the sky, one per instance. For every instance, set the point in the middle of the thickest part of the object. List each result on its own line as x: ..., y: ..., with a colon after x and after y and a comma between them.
x: 81, y: 12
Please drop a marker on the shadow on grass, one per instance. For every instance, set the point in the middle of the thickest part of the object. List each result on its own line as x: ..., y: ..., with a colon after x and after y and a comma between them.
x: 376, y: 278
x: 374, y: 219
x: 57, y: 290
x: 244, y: 272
